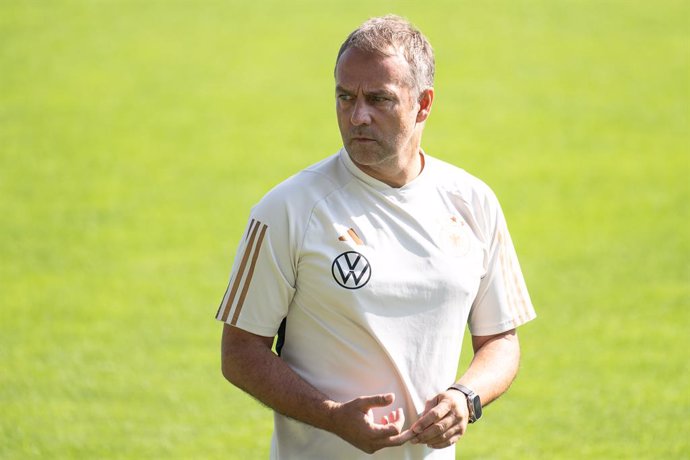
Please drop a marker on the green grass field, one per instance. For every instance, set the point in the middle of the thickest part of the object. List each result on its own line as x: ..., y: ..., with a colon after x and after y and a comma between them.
x: 136, y: 135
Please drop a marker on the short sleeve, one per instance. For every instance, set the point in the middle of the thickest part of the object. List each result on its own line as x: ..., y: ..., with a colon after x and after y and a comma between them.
x: 502, y: 302
x: 262, y: 281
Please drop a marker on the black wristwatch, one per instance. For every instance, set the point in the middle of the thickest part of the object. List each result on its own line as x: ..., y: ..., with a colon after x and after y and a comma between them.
x: 474, y: 404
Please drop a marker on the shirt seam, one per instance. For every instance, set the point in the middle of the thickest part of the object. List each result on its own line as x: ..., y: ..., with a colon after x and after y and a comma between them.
x: 316, y: 203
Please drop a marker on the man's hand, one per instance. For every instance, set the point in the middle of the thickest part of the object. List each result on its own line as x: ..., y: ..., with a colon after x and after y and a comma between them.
x: 443, y: 422
x: 354, y: 422
x: 493, y: 368
x: 249, y: 363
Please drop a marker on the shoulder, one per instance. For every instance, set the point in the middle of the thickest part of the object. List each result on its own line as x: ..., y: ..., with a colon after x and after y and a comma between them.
x: 297, y: 195
x: 454, y: 180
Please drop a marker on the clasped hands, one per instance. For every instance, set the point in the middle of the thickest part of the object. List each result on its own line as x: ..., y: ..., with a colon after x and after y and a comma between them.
x: 442, y: 423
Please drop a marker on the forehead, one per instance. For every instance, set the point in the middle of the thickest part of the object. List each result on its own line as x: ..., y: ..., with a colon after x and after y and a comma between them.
x: 357, y: 68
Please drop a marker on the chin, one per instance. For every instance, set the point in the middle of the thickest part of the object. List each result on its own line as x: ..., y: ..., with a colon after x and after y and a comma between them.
x: 368, y: 156
x: 364, y: 158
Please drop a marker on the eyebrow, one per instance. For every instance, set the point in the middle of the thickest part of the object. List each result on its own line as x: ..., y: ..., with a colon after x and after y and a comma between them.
x: 340, y: 89
x: 380, y: 92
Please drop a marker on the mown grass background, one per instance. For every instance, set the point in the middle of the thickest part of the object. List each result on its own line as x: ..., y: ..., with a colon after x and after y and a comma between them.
x: 135, y: 136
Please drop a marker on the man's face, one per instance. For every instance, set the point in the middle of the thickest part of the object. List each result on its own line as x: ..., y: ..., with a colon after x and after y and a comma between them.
x: 376, y: 108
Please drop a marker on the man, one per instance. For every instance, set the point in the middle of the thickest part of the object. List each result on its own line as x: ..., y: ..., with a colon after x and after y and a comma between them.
x: 368, y: 266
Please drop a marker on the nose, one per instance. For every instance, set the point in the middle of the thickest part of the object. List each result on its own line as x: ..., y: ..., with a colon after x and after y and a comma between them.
x: 361, y: 114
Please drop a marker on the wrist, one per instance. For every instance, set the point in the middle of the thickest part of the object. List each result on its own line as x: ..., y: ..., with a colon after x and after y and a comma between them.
x: 332, y: 412
x: 474, y: 404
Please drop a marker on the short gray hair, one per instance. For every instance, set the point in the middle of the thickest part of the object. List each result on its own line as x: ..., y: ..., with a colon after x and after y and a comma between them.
x: 379, y: 35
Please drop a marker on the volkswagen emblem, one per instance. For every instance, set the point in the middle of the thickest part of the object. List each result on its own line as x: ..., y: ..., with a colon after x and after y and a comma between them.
x: 351, y: 270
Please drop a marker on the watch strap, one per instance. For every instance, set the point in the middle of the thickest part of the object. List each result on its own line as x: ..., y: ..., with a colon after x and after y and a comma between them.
x: 462, y: 389
x: 471, y: 398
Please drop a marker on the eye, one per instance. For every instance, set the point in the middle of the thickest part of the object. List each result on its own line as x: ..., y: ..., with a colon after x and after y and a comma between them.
x: 379, y: 99
x: 344, y: 97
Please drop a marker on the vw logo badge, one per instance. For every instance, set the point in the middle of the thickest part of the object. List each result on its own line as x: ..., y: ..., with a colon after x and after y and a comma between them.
x: 351, y: 270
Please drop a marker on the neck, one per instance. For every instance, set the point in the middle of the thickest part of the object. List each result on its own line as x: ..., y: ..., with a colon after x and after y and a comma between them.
x: 399, y: 172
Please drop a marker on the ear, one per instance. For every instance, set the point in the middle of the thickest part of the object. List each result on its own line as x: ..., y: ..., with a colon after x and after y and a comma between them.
x: 425, y: 101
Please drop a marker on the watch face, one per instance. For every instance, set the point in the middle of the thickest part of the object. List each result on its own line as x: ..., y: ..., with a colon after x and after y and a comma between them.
x: 477, y: 406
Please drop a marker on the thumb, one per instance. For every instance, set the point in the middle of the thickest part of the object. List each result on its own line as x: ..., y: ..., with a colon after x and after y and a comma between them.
x: 421, y: 423
x: 382, y: 400
x: 430, y: 404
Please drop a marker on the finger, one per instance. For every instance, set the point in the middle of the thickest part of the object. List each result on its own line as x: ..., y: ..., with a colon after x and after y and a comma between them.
x: 395, y: 420
x: 381, y: 430
x: 445, y: 443
x: 393, y: 424
x: 393, y: 417
x: 447, y: 439
x: 436, y: 430
x: 399, y: 438
x: 419, y: 424
x: 398, y: 418
x: 402, y: 438
x: 434, y: 415
x: 450, y: 436
x: 367, y: 402
x: 430, y: 403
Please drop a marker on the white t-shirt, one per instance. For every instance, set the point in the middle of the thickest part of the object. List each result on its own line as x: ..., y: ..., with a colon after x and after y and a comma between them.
x: 376, y: 285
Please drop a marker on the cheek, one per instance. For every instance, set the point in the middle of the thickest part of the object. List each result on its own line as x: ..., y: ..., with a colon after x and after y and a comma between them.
x: 343, y: 124
x: 403, y: 124
x: 410, y: 121
x: 341, y: 113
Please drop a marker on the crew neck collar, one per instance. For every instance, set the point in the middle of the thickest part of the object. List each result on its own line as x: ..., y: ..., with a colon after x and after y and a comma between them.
x: 380, y: 185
